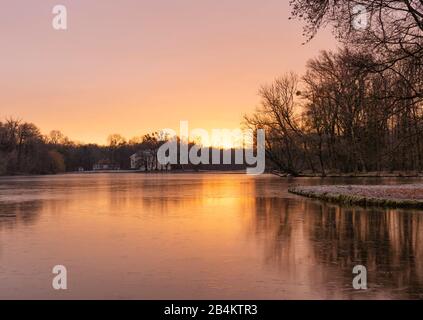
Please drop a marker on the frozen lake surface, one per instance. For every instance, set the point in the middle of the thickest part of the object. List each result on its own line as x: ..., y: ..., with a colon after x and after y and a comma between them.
x: 195, y: 236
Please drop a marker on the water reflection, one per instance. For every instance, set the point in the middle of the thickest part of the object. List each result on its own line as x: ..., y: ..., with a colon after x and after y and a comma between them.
x: 215, y: 236
x: 321, y: 243
x: 385, y: 241
x: 15, y: 213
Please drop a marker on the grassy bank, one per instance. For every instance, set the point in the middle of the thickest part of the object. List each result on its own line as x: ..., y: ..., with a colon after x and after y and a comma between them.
x: 373, y: 174
x: 397, y: 196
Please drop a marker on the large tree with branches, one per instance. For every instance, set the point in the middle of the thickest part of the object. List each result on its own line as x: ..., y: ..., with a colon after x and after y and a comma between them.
x: 392, y: 30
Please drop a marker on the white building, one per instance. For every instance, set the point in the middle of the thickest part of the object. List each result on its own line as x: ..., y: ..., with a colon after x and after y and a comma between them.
x: 105, y: 164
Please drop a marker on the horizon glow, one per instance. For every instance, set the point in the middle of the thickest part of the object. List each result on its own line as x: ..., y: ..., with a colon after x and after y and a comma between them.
x: 136, y: 67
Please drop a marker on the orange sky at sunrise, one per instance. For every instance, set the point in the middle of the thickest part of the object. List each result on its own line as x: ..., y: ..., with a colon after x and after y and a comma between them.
x: 132, y: 67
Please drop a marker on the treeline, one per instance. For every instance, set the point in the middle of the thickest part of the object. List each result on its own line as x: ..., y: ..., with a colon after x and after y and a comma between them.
x: 355, y: 110
x: 24, y: 150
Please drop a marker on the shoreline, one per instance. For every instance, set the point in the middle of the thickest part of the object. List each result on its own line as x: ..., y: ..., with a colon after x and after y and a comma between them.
x: 404, y: 175
x: 397, y: 174
x: 126, y: 172
x: 408, y: 196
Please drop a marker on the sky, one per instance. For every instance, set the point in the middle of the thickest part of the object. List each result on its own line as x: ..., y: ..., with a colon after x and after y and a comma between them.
x: 137, y: 66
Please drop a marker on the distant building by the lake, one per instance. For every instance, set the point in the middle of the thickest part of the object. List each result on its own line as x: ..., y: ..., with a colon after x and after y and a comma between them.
x: 146, y: 160
x: 105, y: 164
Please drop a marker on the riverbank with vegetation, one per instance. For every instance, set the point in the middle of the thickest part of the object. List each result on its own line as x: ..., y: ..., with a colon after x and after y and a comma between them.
x: 357, y: 109
x: 395, y: 196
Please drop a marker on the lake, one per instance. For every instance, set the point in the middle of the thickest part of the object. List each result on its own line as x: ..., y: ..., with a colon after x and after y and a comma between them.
x: 200, y: 236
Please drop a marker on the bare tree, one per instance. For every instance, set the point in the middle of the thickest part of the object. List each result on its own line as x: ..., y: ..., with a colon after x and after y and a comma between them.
x: 350, y: 119
x: 278, y: 117
x: 393, y: 30
x: 57, y: 137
